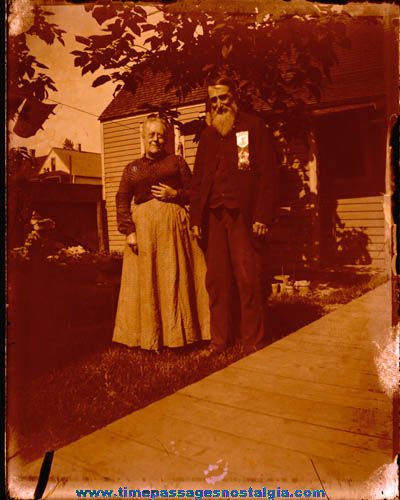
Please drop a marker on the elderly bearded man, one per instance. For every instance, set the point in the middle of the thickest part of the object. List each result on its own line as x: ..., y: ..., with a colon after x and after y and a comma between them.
x: 232, y: 206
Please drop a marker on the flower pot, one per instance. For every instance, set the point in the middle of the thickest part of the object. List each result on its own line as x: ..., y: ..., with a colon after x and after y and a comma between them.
x: 289, y: 290
x: 282, y: 278
x: 302, y: 286
x: 275, y: 288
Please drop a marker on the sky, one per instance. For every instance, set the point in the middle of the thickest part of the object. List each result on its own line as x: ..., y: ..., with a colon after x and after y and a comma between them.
x: 73, y: 88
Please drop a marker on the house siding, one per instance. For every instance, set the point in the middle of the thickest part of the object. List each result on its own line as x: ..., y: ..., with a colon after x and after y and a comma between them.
x: 364, y: 216
x: 122, y: 144
x: 87, y: 180
x: 59, y: 164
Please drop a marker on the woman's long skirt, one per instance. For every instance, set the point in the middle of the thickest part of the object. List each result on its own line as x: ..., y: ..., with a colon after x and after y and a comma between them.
x: 163, y: 300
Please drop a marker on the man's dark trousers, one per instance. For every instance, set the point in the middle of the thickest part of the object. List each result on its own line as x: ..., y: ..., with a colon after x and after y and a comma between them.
x: 232, y: 258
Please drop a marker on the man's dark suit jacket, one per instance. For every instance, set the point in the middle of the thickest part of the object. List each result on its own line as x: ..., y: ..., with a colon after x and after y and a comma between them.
x: 255, y: 189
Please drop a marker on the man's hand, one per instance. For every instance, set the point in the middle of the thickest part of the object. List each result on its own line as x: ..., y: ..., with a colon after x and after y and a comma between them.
x: 196, y: 230
x: 132, y: 242
x: 163, y: 192
x: 260, y: 229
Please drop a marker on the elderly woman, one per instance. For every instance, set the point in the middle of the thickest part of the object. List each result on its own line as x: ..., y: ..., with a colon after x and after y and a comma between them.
x: 162, y: 300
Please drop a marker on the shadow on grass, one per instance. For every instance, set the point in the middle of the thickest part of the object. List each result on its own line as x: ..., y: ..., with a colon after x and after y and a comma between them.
x: 284, y: 316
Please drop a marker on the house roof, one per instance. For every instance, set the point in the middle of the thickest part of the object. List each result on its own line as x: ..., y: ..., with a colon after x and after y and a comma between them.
x: 83, y: 163
x: 147, y: 96
x: 39, y: 160
x: 31, y: 167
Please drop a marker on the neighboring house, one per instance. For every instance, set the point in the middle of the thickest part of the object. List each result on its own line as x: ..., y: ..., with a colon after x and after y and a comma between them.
x: 335, y: 197
x: 71, y: 166
x: 66, y: 186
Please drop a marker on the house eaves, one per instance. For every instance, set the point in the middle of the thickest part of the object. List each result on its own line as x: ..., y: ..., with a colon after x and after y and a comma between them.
x: 149, y: 96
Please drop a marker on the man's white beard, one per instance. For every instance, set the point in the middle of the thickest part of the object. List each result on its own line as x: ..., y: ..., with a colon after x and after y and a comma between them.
x: 224, y: 122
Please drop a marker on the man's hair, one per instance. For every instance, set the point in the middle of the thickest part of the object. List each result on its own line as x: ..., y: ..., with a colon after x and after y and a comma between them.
x: 154, y: 117
x: 223, y: 80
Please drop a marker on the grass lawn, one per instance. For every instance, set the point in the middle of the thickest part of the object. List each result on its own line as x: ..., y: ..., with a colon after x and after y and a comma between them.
x: 90, y: 381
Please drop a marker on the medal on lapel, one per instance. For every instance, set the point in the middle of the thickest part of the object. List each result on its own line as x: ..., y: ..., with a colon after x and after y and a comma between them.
x: 242, y: 143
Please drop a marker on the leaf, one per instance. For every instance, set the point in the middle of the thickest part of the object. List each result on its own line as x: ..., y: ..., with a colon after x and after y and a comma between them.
x: 135, y: 28
x: 101, y: 41
x: 147, y: 27
x: 155, y: 43
x: 40, y: 65
x: 117, y: 88
x: 100, y: 80
x: 94, y: 66
x: 82, y: 39
x: 115, y: 28
x: 101, y: 14
x: 81, y: 60
x: 140, y: 10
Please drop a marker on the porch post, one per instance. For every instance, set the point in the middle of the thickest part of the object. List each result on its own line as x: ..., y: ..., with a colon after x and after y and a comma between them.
x: 315, y: 200
x: 391, y: 78
x: 389, y: 227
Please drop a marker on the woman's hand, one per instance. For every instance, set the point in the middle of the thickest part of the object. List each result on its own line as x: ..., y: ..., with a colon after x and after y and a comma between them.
x: 260, y: 229
x: 132, y: 242
x: 163, y: 192
x: 196, y: 230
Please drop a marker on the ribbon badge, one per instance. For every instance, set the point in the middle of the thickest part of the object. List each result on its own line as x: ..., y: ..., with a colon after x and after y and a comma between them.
x: 242, y: 142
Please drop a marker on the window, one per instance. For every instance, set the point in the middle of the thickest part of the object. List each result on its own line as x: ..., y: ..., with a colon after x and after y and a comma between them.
x: 350, y: 151
x: 179, y: 142
x: 53, y: 164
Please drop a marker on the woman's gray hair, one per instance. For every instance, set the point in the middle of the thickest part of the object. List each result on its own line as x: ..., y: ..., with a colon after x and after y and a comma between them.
x: 154, y: 118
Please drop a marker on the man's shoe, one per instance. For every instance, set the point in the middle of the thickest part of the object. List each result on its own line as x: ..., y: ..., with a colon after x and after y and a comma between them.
x: 249, y: 348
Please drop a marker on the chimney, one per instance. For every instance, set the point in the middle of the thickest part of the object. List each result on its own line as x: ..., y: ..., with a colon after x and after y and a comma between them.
x: 79, y: 147
x: 32, y: 153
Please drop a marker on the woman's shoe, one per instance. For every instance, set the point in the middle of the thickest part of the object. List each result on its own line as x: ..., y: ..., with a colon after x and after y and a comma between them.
x: 212, y: 349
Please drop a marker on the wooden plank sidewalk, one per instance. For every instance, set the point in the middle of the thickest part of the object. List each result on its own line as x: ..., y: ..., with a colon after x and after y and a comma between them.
x: 307, y: 409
